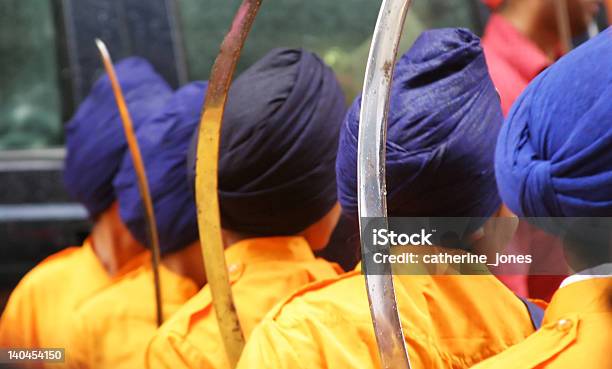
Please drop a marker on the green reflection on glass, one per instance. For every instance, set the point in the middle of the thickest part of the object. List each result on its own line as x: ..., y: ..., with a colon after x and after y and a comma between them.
x: 29, y: 95
x: 338, y: 30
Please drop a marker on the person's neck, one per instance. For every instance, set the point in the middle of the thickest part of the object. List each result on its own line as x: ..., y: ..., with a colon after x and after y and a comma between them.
x: 113, y: 244
x: 187, y: 262
x: 534, y: 25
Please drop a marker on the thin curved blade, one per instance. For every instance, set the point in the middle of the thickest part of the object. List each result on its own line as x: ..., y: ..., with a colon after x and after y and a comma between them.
x: 592, y: 29
x: 143, y: 184
x: 206, y: 179
x: 371, y: 176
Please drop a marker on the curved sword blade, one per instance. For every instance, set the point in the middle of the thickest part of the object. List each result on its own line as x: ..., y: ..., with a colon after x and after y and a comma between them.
x: 371, y: 176
x: 143, y: 184
x: 206, y: 179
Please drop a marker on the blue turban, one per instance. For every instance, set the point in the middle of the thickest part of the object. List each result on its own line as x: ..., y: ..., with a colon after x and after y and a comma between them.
x: 554, y: 156
x: 443, y: 121
x: 95, y: 141
x: 278, y: 145
x: 164, y: 140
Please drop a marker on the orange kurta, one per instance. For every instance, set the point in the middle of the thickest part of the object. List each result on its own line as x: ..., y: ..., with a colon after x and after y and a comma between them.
x: 262, y: 271
x: 449, y: 322
x: 40, y: 308
x: 112, y: 329
x: 576, y: 332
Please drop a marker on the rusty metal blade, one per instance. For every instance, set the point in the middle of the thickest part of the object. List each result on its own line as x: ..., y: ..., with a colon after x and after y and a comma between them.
x: 143, y: 184
x: 206, y: 179
x: 372, y: 200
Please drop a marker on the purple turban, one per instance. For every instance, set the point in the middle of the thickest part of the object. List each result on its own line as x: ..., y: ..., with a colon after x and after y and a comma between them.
x: 443, y: 122
x: 95, y: 141
x: 164, y: 141
x: 278, y: 145
x: 554, y: 156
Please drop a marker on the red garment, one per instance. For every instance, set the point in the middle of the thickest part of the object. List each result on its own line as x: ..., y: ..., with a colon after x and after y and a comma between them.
x: 513, y: 59
x: 493, y: 4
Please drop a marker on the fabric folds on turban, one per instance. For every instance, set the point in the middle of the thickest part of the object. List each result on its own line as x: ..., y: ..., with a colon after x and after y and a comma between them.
x: 164, y: 141
x: 95, y: 142
x: 443, y: 122
x: 554, y: 156
x: 278, y: 145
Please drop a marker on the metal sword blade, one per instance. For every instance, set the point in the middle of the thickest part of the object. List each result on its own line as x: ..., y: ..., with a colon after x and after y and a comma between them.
x: 143, y: 184
x: 206, y: 179
x: 371, y: 176
x: 593, y: 29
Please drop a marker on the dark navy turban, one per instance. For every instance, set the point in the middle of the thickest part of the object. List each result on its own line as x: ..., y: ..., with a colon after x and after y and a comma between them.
x: 164, y: 141
x: 278, y: 145
x: 443, y: 122
x: 554, y: 153
x: 95, y: 141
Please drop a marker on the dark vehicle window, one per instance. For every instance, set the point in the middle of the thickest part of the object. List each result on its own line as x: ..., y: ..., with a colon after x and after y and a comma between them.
x: 339, y: 31
x: 29, y: 94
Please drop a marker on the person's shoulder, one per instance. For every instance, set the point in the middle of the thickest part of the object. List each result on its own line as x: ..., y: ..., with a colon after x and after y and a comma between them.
x: 28, y: 305
x: 459, y: 295
x: 51, y: 270
x: 64, y: 254
x: 50, y: 287
x: 316, y: 269
x: 182, y: 339
x: 323, y: 300
x: 195, y: 310
x: 191, y: 334
x: 551, y: 346
x: 114, y: 300
x: 569, y: 338
x: 333, y: 311
x: 57, y: 261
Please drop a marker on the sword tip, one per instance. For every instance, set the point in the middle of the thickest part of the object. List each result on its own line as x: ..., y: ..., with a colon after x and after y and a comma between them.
x: 102, y: 48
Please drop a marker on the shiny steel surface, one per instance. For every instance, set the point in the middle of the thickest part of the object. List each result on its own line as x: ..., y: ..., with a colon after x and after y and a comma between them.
x: 371, y: 175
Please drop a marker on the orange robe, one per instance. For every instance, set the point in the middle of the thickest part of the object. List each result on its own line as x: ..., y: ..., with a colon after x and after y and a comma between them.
x: 262, y: 271
x: 449, y: 322
x: 112, y: 329
x: 576, y: 332
x: 40, y: 308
